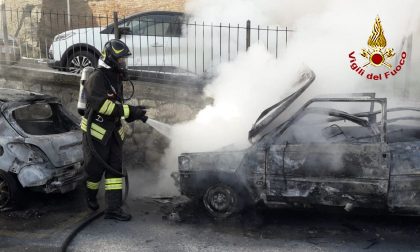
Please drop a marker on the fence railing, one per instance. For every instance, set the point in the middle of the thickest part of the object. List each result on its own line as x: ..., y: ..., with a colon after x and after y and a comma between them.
x: 165, y: 43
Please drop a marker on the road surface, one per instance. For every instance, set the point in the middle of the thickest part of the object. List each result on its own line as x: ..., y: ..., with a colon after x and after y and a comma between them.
x: 45, y: 220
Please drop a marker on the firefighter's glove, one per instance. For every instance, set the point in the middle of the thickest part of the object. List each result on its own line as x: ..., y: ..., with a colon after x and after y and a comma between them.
x: 138, y: 113
x: 144, y: 118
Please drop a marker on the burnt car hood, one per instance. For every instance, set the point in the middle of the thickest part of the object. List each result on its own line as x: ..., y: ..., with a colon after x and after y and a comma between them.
x: 266, y: 118
x: 61, y: 149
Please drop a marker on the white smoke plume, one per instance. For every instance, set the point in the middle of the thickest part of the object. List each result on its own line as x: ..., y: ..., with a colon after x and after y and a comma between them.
x: 326, y: 32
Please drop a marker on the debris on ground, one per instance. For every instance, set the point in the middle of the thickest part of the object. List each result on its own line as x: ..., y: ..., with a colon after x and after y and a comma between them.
x: 177, y: 208
x: 374, y: 241
x: 174, y: 216
x: 27, y: 214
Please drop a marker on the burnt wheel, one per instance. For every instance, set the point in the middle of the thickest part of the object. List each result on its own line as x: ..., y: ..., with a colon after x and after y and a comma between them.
x: 222, y: 200
x: 79, y: 60
x: 10, y: 190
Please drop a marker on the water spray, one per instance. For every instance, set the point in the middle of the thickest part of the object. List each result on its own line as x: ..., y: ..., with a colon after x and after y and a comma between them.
x: 162, y: 128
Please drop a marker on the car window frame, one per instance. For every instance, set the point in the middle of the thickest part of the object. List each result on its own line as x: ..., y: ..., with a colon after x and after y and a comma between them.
x: 16, y: 112
x: 109, y: 29
x: 55, y: 105
x: 340, y: 115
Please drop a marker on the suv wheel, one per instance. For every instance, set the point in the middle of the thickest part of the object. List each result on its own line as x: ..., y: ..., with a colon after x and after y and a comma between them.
x: 222, y: 200
x: 10, y: 190
x: 80, y: 60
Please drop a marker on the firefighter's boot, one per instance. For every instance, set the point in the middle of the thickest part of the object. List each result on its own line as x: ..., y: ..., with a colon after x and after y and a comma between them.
x: 113, y: 194
x: 117, y: 214
x: 91, y: 192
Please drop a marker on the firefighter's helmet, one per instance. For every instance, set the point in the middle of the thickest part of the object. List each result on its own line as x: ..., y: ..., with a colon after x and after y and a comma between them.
x: 113, y: 51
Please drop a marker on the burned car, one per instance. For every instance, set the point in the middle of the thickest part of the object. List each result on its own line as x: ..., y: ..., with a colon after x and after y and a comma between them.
x: 348, y: 151
x: 40, y: 146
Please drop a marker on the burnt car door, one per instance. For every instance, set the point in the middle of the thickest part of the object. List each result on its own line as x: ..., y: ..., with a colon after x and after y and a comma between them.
x: 329, y: 157
x: 403, y: 136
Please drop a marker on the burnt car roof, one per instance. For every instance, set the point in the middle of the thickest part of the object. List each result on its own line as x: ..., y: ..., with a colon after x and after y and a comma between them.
x: 16, y: 95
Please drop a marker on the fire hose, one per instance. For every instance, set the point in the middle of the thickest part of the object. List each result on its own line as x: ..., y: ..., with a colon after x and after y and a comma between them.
x: 109, y: 168
x: 81, y: 106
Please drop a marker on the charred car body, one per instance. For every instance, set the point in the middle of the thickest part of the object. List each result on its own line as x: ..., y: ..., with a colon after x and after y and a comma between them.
x: 362, y: 155
x: 40, y: 146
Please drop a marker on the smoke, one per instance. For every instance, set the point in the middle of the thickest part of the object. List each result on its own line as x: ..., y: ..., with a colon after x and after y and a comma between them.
x: 261, y: 12
x: 326, y: 32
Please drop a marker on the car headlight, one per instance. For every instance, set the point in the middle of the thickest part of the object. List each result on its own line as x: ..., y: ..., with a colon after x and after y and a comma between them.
x: 184, y: 163
x: 33, y: 176
x: 63, y: 36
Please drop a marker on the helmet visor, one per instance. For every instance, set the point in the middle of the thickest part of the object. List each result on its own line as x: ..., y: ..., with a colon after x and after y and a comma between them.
x: 122, y: 62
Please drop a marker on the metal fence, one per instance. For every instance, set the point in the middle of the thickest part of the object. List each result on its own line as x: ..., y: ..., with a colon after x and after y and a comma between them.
x: 162, y: 43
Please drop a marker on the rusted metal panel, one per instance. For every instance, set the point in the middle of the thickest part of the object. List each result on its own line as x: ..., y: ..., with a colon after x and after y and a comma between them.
x: 404, y: 194
x: 275, y: 179
x: 222, y: 161
x: 404, y: 189
x: 62, y: 149
x: 405, y: 158
x: 336, y: 160
x: 335, y: 192
x: 328, y: 174
x: 253, y: 171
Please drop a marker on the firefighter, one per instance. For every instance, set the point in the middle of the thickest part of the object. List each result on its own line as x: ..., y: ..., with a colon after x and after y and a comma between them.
x: 104, y: 93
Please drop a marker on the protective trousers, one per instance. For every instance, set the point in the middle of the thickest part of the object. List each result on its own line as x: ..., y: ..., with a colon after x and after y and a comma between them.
x: 111, y: 153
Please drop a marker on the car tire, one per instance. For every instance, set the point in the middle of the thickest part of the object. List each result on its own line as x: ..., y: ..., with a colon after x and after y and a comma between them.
x: 79, y: 60
x: 10, y: 190
x: 223, y: 200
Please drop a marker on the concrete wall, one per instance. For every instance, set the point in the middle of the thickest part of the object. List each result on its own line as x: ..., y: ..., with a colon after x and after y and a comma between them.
x: 168, y: 103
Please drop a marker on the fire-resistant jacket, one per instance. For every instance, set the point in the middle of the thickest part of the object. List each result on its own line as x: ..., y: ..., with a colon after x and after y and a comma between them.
x: 104, y: 95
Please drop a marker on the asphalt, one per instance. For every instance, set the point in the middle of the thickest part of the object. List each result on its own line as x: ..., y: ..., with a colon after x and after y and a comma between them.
x: 177, y: 224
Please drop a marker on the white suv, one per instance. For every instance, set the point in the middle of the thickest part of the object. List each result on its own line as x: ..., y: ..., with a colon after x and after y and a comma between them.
x: 154, y: 39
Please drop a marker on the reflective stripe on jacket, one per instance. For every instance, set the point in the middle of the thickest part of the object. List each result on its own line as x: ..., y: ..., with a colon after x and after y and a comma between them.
x: 104, y: 93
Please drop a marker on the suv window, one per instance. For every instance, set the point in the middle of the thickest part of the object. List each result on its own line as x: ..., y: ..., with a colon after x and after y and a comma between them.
x: 155, y: 25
